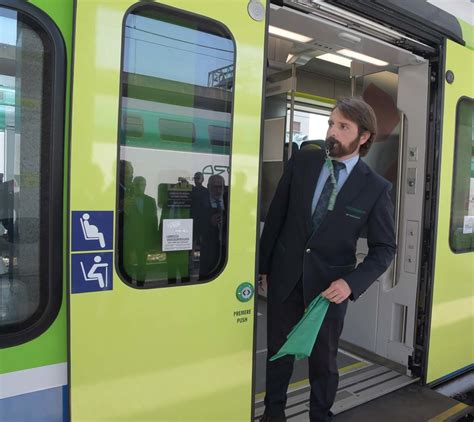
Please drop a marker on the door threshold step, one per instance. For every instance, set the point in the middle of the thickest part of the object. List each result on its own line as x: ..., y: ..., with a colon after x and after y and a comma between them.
x: 356, y: 387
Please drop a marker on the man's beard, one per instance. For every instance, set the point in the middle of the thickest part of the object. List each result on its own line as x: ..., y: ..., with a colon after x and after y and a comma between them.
x: 337, y: 150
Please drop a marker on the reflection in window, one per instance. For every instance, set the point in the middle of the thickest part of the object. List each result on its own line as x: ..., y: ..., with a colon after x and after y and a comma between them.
x: 133, y: 126
x: 173, y: 193
x: 25, y: 84
x: 219, y: 135
x: 462, y: 211
x: 176, y: 131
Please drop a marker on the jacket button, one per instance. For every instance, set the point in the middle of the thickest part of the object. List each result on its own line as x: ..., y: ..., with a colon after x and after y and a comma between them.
x: 308, y: 250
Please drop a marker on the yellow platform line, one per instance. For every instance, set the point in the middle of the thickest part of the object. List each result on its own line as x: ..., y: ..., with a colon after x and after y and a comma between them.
x: 447, y: 413
x: 298, y: 384
x: 353, y: 366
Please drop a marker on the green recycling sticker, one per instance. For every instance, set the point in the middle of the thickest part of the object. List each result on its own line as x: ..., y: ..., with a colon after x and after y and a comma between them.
x: 244, y: 292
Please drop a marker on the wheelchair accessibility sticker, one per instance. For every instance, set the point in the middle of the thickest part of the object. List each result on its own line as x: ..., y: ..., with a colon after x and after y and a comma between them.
x: 92, y: 235
x: 92, y: 230
x: 91, y: 272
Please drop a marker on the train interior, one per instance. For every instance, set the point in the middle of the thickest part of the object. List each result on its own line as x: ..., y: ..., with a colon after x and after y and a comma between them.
x: 313, y: 57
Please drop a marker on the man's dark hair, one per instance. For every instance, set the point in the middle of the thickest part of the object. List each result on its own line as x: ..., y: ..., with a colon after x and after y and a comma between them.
x: 361, y: 113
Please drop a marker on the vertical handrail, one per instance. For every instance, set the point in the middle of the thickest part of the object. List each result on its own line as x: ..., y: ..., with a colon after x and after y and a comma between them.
x: 292, y: 108
x: 398, y: 199
x: 353, y: 85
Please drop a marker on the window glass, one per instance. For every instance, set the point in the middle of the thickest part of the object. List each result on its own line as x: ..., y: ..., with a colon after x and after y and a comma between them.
x: 133, y: 126
x: 25, y: 131
x: 462, y: 211
x: 176, y: 131
x: 309, y: 127
x: 178, y: 73
x: 219, y: 135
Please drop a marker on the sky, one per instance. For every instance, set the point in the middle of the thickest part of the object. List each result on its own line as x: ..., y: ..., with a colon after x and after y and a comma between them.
x: 463, y: 9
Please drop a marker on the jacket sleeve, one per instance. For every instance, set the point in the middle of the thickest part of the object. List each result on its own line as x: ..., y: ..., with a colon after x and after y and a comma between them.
x: 276, y: 217
x: 382, y: 246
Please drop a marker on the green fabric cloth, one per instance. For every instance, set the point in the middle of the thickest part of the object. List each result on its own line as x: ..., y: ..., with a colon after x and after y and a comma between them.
x: 300, y: 341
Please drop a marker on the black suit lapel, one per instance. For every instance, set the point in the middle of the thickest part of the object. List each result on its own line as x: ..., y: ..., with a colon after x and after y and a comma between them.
x: 356, y: 181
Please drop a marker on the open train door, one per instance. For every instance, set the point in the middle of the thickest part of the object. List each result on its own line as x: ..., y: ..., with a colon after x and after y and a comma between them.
x: 166, y: 96
x: 452, y: 310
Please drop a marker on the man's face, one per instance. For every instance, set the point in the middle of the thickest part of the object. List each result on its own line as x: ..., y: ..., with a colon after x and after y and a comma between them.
x: 198, y: 179
x: 343, y: 135
x: 139, y: 186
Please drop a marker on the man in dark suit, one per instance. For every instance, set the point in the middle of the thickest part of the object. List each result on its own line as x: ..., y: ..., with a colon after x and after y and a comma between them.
x: 211, y: 222
x: 308, y: 247
x: 199, y: 199
x: 142, y: 227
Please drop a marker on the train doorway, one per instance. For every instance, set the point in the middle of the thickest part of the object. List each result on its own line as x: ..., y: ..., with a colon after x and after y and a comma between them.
x: 304, y: 78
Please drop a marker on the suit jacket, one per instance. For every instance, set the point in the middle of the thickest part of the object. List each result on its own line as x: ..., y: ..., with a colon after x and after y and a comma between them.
x: 213, y: 237
x: 199, y: 205
x: 143, y: 224
x: 289, y: 250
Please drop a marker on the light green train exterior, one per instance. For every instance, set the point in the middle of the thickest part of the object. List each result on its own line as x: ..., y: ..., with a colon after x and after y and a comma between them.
x: 451, y: 340
x: 175, y: 352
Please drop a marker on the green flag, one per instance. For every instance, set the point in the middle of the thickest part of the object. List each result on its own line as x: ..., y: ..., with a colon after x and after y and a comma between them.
x: 300, y: 341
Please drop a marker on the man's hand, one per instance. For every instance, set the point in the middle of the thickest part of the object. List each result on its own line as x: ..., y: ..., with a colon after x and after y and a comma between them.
x: 338, y: 291
x: 262, y: 284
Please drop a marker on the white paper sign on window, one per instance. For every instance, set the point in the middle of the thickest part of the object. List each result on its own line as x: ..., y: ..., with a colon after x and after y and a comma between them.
x: 468, y: 224
x: 177, y: 234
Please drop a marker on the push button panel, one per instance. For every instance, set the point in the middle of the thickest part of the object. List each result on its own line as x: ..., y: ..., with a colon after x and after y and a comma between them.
x: 411, y: 247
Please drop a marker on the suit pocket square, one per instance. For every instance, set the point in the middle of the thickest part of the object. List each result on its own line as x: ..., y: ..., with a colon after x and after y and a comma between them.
x: 353, y: 216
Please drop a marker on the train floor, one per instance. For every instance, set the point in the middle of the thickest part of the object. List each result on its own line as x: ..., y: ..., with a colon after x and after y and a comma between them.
x: 368, y: 391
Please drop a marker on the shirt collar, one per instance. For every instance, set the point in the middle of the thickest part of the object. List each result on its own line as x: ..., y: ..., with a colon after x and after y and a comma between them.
x: 350, y: 163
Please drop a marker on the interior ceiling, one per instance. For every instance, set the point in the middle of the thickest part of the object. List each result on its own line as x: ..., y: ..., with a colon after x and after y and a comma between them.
x: 327, y: 37
x: 278, y: 50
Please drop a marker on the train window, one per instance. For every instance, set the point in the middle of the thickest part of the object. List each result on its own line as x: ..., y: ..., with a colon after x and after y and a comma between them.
x: 31, y: 86
x: 309, y: 125
x: 219, y: 135
x: 173, y: 208
x: 133, y: 126
x: 462, y: 209
x: 176, y: 131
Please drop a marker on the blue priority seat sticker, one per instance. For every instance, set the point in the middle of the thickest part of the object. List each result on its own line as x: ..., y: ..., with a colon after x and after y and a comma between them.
x: 91, y: 272
x: 92, y: 230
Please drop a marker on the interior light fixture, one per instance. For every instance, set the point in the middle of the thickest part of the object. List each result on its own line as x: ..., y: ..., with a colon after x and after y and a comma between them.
x: 333, y: 58
x: 288, y: 34
x: 362, y: 57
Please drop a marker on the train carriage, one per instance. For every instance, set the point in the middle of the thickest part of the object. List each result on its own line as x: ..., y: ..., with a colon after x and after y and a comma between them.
x: 124, y: 125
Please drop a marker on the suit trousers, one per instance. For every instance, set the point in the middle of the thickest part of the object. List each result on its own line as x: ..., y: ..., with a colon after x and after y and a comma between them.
x: 323, y: 372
